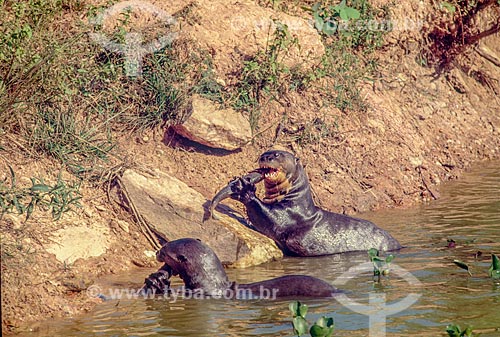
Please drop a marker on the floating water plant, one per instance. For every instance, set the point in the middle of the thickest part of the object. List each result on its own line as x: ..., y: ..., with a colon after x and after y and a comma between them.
x: 322, y: 328
x: 462, y: 265
x: 494, y: 270
x: 454, y: 330
x: 380, y: 265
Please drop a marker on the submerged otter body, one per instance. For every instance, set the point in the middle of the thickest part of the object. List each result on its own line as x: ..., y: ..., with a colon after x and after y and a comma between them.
x: 201, y: 270
x: 289, y: 216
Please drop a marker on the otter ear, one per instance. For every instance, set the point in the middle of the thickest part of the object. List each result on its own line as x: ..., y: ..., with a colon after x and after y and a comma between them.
x: 181, y: 258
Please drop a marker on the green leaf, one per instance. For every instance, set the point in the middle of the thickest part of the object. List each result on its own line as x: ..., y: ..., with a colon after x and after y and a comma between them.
x: 318, y: 22
x: 462, y: 265
x: 303, y: 310
x: 495, y: 274
x: 449, y: 7
x: 467, y: 332
x: 372, y: 252
x: 12, y: 177
x: 343, y: 14
x: 19, y: 207
x: 495, y: 262
x: 323, y: 327
x: 494, y: 270
x: 300, y: 325
x: 298, y: 309
x: 453, y: 330
x: 40, y: 188
x: 325, y: 322
x: 352, y: 13
x: 389, y: 258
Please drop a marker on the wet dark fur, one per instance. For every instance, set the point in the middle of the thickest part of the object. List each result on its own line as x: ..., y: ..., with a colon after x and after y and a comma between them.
x: 201, y: 270
x: 297, y: 225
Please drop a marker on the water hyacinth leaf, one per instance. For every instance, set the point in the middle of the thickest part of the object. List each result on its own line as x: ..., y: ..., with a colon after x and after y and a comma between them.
x: 372, y: 252
x: 300, y: 326
x: 298, y: 309
x: 453, y: 330
x: 323, y: 327
x: 495, y: 274
x: 303, y: 310
x: 495, y: 263
x: 389, y: 258
x: 467, y: 332
x: 462, y: 265
x: 494, y: 270
x: 319, y: 331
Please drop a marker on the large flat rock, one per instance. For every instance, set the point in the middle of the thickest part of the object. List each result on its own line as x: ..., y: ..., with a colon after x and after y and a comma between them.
x: 174, y: 211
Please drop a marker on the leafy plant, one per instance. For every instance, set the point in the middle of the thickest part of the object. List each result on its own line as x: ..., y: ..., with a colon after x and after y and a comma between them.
x: 494, y: 270
x: 352, y: 21
x: 323, y: 327
x: 57, y: 198
x: 454, y: 330
x: 380, y: 265
x: 326, y: 18
x: 462, y: 265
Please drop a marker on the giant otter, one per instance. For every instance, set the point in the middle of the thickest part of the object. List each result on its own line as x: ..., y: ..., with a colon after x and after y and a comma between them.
x: 288, y: 215
x: 202, y: 272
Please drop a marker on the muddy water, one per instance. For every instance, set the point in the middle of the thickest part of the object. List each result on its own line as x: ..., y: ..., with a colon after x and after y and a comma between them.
x: 468, y: 212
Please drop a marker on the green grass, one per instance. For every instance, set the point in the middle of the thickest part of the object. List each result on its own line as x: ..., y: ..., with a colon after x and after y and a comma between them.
x: 57, y: 198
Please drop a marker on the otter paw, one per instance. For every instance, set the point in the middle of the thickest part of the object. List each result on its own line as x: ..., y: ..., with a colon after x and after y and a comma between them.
x: 242, y: 189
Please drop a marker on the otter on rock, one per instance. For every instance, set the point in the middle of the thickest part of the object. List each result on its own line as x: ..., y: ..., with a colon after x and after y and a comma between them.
x: 202, y: 272
x: 288, y: 215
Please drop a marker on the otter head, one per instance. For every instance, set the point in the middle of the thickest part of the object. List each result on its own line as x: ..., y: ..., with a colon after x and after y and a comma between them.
x: 281, y: 170
x: 196, y: 264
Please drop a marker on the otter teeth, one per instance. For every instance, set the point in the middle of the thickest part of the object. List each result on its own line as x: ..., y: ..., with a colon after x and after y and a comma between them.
x: 271, y: 174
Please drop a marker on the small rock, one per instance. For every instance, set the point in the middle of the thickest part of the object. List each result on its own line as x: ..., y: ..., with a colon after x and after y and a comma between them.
x: 100, y: 208
x: 416, y: 161
x: 123, y: 225
x: 150, y: 254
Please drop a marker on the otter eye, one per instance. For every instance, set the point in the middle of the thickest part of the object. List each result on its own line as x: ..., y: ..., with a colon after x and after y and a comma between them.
x: 277, y: 154
x: 181, y: 258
